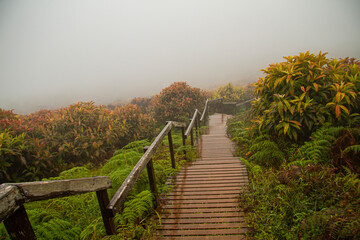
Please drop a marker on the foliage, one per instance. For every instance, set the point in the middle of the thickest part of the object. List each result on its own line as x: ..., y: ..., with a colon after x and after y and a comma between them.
x: 297, y: 96
x: 46, y: 142
x: 311, y: 192
x: 265, y: 152
x: 143, y: 103
x: 229, y: 93
x: 177, y: 102
x: 79, y: 216
x: 309, y: 202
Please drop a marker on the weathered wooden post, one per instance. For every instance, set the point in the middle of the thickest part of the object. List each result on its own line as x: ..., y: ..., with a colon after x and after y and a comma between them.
x: 191, y: 135
x: 183, y: 139
x: 18, y: 225
x: 108, y: 220
x: 152, y: 179
x: 171, y: 147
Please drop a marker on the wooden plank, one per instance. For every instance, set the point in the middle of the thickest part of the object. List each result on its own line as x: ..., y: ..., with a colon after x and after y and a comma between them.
x: 205, y: 185
x: 210, y: 175
x: 200, y: 189
x: 35, y: 191
x: 202, y: 205
x: 213, y: 192
x: 203, y: 215
x: 195, y: 181
x: 9, y: 195
x: 202, y: 232
x: 120, y: 196
x: 197, y: 201
x: 201, y: 210
x: 194, y: 226
x: 204, y: 197
x: 202, y: 220
x: 222, y: 237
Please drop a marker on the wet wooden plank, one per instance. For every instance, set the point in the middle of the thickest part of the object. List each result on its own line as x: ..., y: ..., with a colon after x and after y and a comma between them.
x: 202, y: 232
x: 198, y: 226
x: 203, y: 205
x: 196, y: 201
x: 204, y: 215
x: 201, y: 189
x: 223, y: 237
x: 201, y: 210
x: 204, y: 197
x: 203, y: 220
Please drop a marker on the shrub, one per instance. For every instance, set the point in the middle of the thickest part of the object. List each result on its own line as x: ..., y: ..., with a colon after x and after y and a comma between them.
x: 297, y: 96
x: 176, y: 101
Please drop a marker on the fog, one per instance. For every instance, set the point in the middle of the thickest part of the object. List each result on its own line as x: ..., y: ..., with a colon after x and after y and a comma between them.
x: 57, y: 52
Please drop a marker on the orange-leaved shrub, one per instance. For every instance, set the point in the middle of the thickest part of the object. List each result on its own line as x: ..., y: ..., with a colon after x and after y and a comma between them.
x: 298, y: 96
x: 46, y: 142
x: 177, y: 102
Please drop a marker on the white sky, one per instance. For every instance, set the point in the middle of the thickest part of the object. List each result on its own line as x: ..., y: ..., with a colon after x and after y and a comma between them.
x: 57, y: 52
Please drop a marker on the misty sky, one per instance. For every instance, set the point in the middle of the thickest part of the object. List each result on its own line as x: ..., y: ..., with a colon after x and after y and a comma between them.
x: 57, y: 52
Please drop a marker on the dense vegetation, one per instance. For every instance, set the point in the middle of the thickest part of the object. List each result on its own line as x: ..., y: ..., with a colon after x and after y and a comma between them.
x: 45, y: 143
x: 70, y: 136
x: 79, y: 217
x: 301, y: 144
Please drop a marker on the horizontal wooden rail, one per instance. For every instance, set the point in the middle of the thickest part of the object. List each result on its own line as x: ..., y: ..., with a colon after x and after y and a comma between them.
x: 14, y: 195
x: 120, y: 196
x: 36, y: 191
x: 250, y: 100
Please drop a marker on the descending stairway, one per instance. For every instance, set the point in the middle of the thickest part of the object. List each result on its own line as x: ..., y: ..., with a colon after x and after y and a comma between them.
x: 204, y: 201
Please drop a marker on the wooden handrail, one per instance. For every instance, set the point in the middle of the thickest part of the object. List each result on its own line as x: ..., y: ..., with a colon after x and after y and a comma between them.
x: 120, y: 196
x: 44, y: 190
x: 14, y: 195
x: 250, y: 100
x: 192, y: 122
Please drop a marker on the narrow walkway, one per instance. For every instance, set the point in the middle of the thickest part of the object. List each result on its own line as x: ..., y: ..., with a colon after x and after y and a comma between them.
x: 204, y: 201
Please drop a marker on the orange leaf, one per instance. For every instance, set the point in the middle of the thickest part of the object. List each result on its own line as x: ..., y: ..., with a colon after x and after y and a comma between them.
x: 338, y: 111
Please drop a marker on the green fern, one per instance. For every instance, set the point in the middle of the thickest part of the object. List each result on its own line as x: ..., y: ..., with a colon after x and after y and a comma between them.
x: 354, y: 148
x: 318, y: 149
x: 57, y: 229
x: 266, y: 152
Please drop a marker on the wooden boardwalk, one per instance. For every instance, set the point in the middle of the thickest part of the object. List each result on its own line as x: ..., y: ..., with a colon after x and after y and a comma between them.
x: 204, y: 201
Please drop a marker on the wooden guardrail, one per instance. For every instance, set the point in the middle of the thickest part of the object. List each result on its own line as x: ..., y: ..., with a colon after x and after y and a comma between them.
x: 14, y: 195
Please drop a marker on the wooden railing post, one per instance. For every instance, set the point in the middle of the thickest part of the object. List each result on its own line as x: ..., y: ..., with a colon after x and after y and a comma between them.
x: 18, y: 225
x: 183, y: 139
x: 191, y: 135
x: 171, y: 147
x: 108, y: 220
x: 152, y: 179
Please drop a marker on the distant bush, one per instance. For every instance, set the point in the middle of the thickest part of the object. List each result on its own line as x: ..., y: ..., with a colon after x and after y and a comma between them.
x: 229, y: 93
x: 177, y: 102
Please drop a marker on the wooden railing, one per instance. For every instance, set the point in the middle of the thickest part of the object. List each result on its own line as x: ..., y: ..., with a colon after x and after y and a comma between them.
x: 14, y: 195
